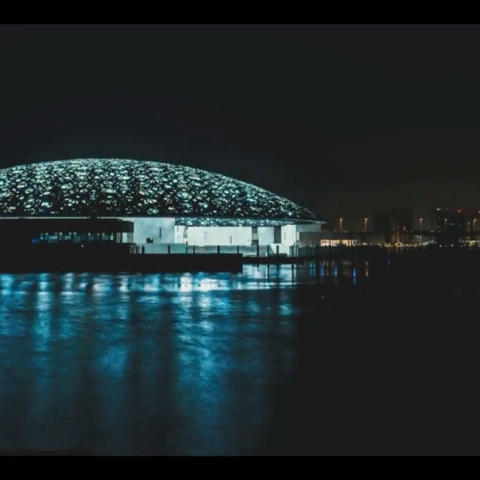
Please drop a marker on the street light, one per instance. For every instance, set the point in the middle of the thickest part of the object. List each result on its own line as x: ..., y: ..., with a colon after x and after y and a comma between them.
x: 341, y: 223
x: 365, y: 221
x: 420, y: 222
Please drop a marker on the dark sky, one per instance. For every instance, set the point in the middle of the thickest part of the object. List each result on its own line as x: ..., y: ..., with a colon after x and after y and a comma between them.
x: 343, y: 119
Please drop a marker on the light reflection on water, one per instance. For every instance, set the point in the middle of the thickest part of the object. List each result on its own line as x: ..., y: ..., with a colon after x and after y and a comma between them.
x: 125, y: 364
x: 268, y: 361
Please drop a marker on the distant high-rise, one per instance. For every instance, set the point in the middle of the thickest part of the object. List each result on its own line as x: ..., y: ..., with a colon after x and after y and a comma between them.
x: 402, y: 219
x: 440, y: 218
x: 473, y: 221
x: 457, y: 222
x: 397, y: 225
x: 449, y: 224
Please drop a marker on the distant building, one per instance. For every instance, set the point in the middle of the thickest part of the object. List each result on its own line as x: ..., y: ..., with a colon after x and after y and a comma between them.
x: 381, y: 225
x: 457, y: 222
x: 395, y: 226
x: 450, y: 225
x: 473, y: 221
x: 440, y: 217
x: 402, y: 220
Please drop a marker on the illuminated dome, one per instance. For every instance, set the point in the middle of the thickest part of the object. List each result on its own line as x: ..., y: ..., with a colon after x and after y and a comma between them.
x: 116, y: 187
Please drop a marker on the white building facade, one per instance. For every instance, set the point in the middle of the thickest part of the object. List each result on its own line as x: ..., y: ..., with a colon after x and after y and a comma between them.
x: 155, y: 235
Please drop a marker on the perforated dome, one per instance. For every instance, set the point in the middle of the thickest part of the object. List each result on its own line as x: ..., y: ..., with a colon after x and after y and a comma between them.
x: 117, y: 187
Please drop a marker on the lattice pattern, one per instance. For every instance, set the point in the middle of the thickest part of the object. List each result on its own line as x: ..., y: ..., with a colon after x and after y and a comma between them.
x: 139, y: 188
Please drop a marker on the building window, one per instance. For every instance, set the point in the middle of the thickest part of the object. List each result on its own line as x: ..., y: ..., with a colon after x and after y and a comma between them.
x: 255, y: 230
x: 159, y: 233
x: 149, y: 240
x: 277, y: 234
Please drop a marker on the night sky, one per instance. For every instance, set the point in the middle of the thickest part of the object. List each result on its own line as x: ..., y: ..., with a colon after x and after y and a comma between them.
x: 345, y: 120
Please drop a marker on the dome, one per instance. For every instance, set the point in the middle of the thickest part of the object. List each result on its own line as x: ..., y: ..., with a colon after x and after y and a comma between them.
x: 118, y: 187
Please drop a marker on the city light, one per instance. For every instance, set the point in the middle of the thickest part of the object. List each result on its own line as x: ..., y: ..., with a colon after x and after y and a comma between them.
x: 401, y: 229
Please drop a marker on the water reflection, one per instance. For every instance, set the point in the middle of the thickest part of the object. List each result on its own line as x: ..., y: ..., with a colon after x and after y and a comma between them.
x: 271, y: 361
x: 127, y: 364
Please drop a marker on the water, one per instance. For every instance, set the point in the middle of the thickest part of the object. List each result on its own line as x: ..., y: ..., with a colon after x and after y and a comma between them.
x: 263, y: 362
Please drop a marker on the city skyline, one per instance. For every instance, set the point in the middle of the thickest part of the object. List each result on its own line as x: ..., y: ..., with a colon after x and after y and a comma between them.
x: 422, y: 218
